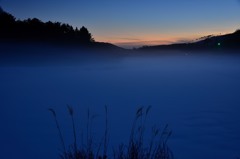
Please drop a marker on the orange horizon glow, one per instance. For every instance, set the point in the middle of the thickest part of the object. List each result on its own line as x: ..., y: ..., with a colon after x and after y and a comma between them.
x: 149, y: 40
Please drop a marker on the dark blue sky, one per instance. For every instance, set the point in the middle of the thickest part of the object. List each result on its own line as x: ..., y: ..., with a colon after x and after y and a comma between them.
x: 134, y: 22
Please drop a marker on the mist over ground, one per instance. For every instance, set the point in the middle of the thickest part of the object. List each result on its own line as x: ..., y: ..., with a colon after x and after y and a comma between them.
x: 196, y: 93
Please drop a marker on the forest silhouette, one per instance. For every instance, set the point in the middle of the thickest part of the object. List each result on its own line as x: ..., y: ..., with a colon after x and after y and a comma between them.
x: 35, y: 29
x: 62, y: 33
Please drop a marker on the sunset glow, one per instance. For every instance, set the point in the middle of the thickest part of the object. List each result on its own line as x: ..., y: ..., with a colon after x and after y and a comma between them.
x: 114, y: 79
x: 137, y: 22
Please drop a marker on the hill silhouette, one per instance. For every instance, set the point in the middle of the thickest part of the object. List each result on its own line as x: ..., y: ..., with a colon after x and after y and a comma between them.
x: 1, y: 10
x: 222, y: 42
x: 34, y: 30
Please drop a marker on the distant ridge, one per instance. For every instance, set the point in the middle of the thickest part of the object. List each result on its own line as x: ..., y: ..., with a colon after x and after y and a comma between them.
x: 34, y: 30
x: 1, y: 10
x: 222, y: 42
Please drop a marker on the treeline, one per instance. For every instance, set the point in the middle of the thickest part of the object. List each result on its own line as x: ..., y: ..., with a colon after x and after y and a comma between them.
x: 35, y: 29
x: 229, y: 41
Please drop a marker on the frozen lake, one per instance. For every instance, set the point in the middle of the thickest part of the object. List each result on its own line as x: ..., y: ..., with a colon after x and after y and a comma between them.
x: 198, y: 96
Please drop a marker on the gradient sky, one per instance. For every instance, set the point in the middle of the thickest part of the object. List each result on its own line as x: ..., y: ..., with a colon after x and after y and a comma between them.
x: 136, y: 22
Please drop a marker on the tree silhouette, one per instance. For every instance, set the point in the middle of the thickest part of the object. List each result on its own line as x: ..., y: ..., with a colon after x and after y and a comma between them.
x: 84, y: 35
x: 6, y: 18
x: 35, y: 29
x: 7, y: 23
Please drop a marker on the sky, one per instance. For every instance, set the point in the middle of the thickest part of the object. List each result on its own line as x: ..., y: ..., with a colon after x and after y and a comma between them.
x: 132, y: 23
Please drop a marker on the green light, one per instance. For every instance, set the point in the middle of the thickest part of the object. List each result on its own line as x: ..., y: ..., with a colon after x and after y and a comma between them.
x: 219, y: 44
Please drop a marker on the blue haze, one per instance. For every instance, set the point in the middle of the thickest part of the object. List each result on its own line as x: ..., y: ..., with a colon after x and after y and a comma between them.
x: 144, y: 20
x: 198, y: 96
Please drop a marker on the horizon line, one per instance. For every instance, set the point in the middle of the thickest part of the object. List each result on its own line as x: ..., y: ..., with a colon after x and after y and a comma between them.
x: 141, y: 43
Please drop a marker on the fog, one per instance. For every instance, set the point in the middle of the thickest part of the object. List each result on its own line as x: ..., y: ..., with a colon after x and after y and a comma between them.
x: 197, y: 95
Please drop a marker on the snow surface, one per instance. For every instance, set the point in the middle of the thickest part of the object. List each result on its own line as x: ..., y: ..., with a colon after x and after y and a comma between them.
x: 198, y: 96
